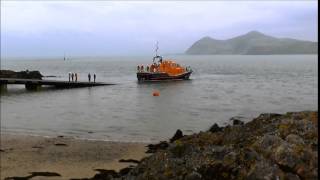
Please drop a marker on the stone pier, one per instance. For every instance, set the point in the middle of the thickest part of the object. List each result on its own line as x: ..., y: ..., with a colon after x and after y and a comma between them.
x: 35, y: 84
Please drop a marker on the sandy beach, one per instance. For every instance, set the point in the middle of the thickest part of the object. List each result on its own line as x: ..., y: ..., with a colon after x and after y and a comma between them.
x: 71, y: 158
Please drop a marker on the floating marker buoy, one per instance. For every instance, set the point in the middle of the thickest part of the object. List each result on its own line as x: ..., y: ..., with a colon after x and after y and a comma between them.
x: 156, y: 93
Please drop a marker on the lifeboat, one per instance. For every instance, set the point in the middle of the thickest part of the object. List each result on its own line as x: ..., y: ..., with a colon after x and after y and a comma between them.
x: 162, y: 70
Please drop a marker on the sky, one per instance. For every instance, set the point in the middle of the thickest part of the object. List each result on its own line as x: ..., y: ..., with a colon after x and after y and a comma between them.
x: 121, y: 28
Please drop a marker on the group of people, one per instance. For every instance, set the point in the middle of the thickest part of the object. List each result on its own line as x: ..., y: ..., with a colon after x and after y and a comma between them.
x: 73, y: 77
x: 94, y: 77
x: 153, y: 68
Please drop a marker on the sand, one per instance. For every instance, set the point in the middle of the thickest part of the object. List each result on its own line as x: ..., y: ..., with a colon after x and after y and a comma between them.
x: 71, y: 158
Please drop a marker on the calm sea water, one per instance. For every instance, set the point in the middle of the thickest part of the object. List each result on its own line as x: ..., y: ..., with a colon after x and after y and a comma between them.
x: 220, y: 87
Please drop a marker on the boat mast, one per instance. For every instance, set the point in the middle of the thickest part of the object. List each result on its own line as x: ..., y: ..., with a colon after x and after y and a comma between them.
x: 157, y: 47
x: 64, y: 56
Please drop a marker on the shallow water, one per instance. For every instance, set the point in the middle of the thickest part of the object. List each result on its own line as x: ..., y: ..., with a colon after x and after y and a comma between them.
x: 220, y: 87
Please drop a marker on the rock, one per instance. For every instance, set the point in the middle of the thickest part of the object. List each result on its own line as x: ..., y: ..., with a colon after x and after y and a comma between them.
x: 236, y: 121
x: 215, y: 128
x: 286, y: 157
x: 47, y: 174
x: 267, y: 143
x: 294, y: 139
x: 34, y: 174
x: 20, y: 75
x: 177, y: 149
x: 215, y: 171
x: 101, y: 176
x: 176, y: 136
x: 152, y: 148
x: 230, y: 158
x: 60, y: 144
x: 124, y: 171
x: 193, y: 176
x: 129, y: 161
x: 104, y: 174
x: 263, y: 170
x: 268, y: 116
x: 291, y: 176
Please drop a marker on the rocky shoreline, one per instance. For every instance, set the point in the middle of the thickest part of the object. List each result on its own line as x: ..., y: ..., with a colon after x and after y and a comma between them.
x: 271, y: 146
x: 21, y: 74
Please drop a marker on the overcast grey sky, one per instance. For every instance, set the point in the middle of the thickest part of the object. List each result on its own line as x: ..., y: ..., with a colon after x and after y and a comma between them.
x: 98, y: 28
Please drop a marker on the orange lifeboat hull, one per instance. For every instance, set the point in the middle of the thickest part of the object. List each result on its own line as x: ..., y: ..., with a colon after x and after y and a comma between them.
x: 161, y: 76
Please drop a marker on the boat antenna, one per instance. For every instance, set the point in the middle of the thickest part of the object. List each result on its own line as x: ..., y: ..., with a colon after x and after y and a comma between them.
x: 157, y: 47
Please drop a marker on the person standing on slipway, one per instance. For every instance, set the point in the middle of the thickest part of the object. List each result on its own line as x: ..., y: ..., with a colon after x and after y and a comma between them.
x: 76, y: 76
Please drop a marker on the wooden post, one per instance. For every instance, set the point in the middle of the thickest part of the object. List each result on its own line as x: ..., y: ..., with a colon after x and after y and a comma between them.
x: 3, y: 88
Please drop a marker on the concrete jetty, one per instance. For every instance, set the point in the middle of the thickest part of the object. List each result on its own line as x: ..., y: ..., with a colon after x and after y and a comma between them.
x: 34, y: 84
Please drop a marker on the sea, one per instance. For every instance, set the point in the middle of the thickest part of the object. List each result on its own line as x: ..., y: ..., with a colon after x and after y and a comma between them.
x: 221, y: 87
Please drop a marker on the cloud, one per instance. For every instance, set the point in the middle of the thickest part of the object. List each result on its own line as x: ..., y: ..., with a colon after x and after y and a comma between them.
x: 135, y: 26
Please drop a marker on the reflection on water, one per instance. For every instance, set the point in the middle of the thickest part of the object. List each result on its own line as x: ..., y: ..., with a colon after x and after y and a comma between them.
x: 220, y: 87
x: 14, y: 90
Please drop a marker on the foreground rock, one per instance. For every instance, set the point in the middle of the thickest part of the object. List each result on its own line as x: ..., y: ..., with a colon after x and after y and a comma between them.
x: 271, y: 146
x: 20, y: 75
x: 34, y: 174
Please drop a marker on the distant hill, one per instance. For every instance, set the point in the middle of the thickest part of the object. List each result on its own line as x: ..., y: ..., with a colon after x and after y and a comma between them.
x: 253, y: 43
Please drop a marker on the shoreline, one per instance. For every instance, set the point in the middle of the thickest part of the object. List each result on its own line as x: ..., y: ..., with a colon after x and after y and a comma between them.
x: 84, y: 138
x: 277, y: 146
x: 69, y: 157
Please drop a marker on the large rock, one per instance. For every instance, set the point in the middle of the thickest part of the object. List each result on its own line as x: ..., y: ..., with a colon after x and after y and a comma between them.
x: 237, y: 120
x: 215, y: 128
x: 177, y: 136
x: 20, y: 75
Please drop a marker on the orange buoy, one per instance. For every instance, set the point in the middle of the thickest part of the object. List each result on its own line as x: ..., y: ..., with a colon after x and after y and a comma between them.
x: 156, y: 93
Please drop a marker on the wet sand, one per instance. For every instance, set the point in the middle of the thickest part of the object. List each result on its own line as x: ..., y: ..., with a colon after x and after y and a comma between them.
x: 71, y: 158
